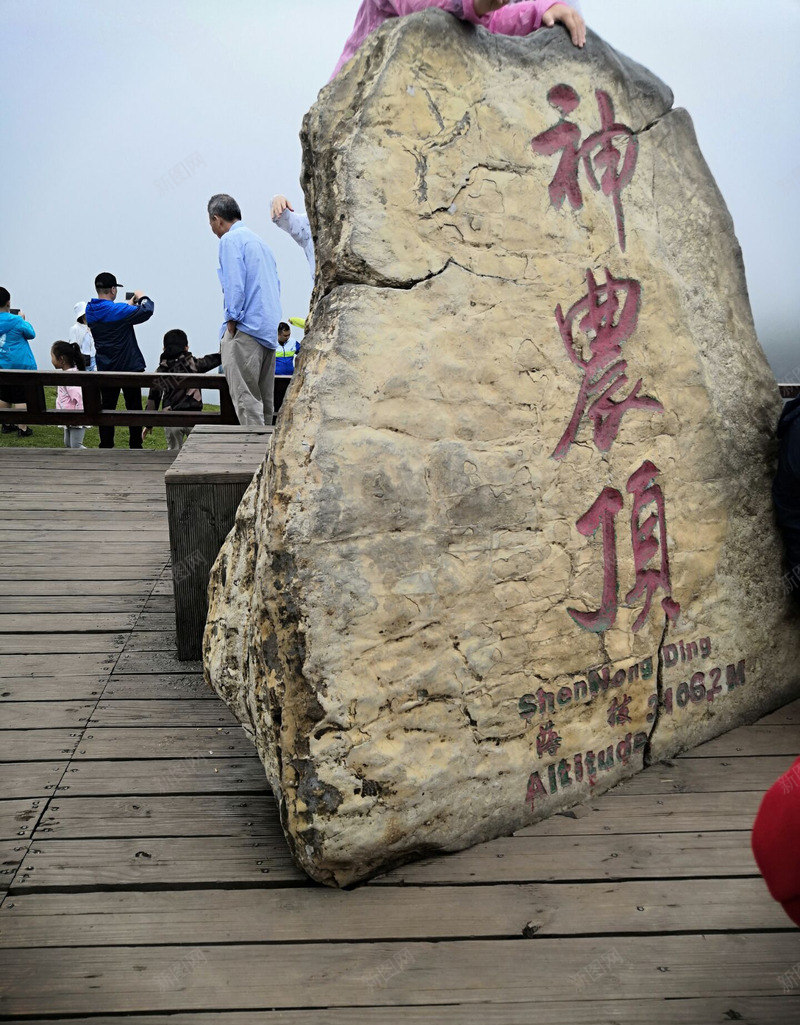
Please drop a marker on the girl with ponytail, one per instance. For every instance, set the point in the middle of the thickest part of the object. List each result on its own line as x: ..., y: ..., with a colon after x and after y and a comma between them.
x: 68, y: 356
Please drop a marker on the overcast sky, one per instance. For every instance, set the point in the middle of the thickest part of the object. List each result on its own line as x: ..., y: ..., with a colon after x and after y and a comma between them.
x: 120, y: 120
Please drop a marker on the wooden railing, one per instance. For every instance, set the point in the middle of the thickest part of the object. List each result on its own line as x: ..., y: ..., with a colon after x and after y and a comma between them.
x: 93, y: 415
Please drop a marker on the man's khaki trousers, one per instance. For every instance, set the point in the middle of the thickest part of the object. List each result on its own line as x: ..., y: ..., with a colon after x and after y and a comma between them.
x: 249, y: 368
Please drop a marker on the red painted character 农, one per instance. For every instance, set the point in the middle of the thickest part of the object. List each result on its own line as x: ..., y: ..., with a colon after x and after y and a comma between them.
x: 599, y: 152
x: 608, y: 315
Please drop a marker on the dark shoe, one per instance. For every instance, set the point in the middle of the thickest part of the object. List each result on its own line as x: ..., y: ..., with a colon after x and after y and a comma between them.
x: 9, y: 429
x: 24, y: 432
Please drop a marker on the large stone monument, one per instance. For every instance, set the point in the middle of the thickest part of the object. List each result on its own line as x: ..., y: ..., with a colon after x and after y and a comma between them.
x: 515, y: 538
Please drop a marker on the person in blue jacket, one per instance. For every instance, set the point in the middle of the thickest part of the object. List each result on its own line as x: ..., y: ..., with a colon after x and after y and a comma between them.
x: 15, y: 354
x: 111, y: 324
x: 786, y: 493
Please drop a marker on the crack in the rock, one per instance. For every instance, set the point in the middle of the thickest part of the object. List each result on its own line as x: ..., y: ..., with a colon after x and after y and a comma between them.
x: 647, y: 753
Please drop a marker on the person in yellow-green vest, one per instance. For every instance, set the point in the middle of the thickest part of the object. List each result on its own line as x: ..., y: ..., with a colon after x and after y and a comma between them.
x: 287, y: 350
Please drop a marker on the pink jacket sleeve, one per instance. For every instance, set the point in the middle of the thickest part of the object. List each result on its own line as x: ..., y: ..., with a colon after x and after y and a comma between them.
x: 512, y: 20
x: 517, y: 19
x: 69, y: 398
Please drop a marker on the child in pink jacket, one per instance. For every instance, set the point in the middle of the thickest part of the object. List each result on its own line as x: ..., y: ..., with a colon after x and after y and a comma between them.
x: 498, y: 16
x: 68, y: 356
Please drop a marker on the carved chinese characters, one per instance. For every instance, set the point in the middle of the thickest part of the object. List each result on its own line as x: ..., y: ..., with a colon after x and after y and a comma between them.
x: 600, y: 152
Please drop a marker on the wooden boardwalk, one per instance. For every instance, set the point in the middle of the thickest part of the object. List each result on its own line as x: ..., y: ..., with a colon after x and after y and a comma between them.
x: 145, y: 878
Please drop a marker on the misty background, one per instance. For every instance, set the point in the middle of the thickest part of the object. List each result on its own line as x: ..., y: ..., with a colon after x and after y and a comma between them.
x: 119, y: 121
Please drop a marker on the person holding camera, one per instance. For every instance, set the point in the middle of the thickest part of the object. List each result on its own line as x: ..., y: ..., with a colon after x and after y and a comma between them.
x: 111, y: 324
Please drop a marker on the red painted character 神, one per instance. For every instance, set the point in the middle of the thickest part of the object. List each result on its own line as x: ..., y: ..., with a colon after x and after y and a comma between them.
x: 646, y: 544
x: 598, y: 152
x: 607, y: 315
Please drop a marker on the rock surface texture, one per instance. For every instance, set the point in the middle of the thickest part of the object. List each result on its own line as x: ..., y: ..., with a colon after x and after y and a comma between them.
x: 515, y: 538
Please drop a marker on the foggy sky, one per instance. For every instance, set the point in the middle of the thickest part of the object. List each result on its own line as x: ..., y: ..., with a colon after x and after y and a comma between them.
x: 119, y: 121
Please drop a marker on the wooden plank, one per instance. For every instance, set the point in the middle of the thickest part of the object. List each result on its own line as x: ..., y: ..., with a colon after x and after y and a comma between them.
x: 138, y: 742
x: 152, y: 640
x: 12, y: 853
x: 617, y: 812
x: 38, y: 745
x: 265, y: 861
x: 28, y: 715
x: 163, y: 714
x: 251, y: 816
x: 200, y: 518
x: 190, y: 686
x: 77, y: 588
x: 48, y: 665
x: 474, y: 972
x: 78, y: 605
x: 30, y: 779
x: 168, y: 776
x: 789, y: 715
x: 316, y: 914
x: 139, y: 662
x: 55, y: 623
x: 158, y: 861
x: 22, y: 569
x: 19, y: 818
x: 62, y: 644
x: 752, y: 740
x: 217, y: 775
x: 555, y: 859
x: 52, y: 688
x: 707, y: 775
x: 769, y: 1010
x: 68, y: 818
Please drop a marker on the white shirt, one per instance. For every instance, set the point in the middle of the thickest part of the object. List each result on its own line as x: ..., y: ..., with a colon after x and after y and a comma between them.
x: 298, y: 227
x: 81, y: 334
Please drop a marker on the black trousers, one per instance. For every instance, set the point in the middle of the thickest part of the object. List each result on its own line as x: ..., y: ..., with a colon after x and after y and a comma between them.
x: 133, y: 400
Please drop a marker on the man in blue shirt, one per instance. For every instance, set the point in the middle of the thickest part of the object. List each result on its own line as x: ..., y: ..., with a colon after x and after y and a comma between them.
x: 252, y: 302
x: 111, y: 324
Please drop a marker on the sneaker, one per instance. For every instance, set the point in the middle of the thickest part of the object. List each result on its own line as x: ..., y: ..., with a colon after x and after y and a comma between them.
x: 24, y: 432
x: 9, y: 429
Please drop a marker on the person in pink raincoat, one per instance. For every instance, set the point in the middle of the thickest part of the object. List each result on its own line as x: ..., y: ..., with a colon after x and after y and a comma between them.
x: 68, y: 356
x: 498, y: 16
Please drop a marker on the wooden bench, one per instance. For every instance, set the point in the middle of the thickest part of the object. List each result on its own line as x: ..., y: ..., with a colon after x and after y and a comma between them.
x: 204, y: 487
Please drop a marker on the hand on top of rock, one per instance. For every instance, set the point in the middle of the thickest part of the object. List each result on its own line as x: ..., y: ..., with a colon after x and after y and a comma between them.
x: 570, y: 18
x: 279, y: 204
x: 487, y: 6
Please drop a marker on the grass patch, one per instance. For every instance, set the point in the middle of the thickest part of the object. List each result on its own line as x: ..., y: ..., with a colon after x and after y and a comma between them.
x: 53, y: 437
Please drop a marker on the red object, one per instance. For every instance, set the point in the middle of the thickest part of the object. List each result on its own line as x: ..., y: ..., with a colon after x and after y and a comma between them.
x: 776, y: 841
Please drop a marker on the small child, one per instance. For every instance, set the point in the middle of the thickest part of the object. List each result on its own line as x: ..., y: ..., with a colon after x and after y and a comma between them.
x: 68, y: 356
x: 176, y: 359
x: 498, y: 16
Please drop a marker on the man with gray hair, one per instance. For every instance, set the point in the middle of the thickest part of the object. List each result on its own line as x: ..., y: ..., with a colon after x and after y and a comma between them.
x: 251, y: 299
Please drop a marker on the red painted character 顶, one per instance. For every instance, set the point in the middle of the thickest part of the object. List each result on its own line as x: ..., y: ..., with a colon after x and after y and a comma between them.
x: 648, y: 537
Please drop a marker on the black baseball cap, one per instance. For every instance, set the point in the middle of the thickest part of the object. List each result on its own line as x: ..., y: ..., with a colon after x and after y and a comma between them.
x: 105, y: 281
